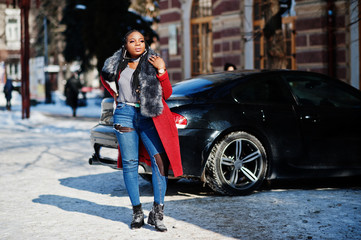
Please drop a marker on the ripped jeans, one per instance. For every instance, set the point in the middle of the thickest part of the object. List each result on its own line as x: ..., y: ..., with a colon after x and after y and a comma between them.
x: 129, y: 126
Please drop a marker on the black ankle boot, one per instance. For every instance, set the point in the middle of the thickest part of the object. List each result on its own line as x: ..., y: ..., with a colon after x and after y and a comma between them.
x: 155, y: 217
x: 138, y: 217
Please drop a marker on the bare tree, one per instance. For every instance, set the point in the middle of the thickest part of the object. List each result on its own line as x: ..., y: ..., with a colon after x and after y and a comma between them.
x: 275, y: 43
x: 148, y: 8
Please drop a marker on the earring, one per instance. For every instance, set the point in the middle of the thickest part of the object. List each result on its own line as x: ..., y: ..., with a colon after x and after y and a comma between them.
x: 125, y: 53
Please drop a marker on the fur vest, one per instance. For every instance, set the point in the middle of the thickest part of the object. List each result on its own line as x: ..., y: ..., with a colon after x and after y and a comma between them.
x: 150, y: 89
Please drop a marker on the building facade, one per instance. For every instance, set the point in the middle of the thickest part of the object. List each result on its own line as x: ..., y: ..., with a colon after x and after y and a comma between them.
x: 10, y: 41
x: 201, y: 36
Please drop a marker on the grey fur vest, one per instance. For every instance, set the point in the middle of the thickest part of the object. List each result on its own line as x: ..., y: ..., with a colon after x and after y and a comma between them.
x: 150, y: 96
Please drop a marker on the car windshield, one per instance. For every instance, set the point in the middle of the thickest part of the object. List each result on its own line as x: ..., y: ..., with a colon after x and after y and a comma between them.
x: 201, y: 83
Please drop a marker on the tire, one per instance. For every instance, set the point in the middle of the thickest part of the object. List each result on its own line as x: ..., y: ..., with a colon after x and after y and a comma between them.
x: 228, y: 174
x: 148, y: 178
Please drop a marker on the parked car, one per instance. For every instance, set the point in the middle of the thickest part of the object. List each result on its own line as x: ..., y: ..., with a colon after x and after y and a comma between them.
x: 237, y: 129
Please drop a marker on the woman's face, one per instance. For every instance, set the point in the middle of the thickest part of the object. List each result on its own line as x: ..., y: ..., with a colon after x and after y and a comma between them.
x: 135, y: 44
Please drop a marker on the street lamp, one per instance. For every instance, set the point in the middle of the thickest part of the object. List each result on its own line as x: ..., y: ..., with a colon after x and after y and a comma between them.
x: 46, y: 63
x: 25, y: 55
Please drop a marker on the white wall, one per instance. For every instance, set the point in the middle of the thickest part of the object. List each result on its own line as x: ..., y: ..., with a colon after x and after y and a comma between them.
x: 187, y: 61
x: 248, y: 29
x: 354, y: 46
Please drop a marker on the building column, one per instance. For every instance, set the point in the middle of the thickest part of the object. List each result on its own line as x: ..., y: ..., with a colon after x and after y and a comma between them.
x: 186, y: 17
x: 355, y: 49
x: 248, y: 28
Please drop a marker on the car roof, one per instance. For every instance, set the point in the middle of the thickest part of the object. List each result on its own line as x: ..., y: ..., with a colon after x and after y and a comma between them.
x: 205, y: 82
x: 223, y: 76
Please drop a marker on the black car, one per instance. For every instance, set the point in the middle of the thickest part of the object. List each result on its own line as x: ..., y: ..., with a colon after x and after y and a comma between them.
x: 237, y: 129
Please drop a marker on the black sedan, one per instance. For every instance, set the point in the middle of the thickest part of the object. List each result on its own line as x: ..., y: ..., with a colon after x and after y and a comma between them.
x: 237, y: 129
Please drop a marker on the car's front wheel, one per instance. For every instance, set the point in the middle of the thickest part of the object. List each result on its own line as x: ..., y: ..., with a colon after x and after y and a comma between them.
x: 237, y: 164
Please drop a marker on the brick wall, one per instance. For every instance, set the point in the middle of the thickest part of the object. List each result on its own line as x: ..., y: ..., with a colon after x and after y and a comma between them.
x: 226, y: 30
x: 227, y: 45
x: 314, y: 46
x: 171, y: 14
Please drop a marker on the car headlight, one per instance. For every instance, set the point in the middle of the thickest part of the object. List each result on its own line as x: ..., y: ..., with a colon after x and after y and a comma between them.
x: 106, y: 117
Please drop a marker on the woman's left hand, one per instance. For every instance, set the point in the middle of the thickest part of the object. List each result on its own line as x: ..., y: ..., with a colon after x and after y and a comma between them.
x: 157, y: 62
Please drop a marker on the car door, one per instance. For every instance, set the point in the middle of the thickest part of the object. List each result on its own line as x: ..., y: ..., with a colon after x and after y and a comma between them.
x: 329, y: 112
x: 268, y: 106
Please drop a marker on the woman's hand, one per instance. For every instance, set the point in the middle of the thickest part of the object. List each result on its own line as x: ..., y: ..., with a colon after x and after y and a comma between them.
x: 157, y: 62
x: 115, y: 96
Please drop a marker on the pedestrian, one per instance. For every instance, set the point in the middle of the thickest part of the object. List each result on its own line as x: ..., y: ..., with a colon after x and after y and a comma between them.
x: 8, y: 88
x: 229, y: 67
x: 71, y: 92
x: 143, y: 121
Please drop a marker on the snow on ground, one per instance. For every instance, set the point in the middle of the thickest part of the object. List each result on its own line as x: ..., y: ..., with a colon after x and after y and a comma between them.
x: 39, y: 114
x: 58, y: 107
x: 48, y: 191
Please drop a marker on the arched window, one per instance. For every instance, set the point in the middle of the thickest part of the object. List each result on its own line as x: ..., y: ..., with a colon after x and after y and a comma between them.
x: 201, y: 37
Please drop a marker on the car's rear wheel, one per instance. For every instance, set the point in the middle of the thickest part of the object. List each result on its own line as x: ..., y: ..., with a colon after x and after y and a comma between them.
x: 148, y: 178
x: 237, y: 164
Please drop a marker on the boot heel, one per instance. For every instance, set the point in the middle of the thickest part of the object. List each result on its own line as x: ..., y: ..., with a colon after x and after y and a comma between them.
x: 151, y: 216
x: 156, y: 217
x: 138, y: 217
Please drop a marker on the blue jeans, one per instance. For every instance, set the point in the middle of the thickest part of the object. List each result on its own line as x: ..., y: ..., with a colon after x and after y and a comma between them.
x: 137, y: 126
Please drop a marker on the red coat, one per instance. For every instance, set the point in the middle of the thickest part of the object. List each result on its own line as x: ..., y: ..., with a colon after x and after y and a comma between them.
x: 166, y: 128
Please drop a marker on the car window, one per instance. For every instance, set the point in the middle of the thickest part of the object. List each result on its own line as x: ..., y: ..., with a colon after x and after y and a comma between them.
x: 261, y: 89
x: 201, y: 84
x: 191, y: 86
x: 317, y: 91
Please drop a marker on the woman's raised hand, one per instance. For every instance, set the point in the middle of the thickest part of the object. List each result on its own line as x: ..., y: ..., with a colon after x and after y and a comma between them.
x: 157, y: 62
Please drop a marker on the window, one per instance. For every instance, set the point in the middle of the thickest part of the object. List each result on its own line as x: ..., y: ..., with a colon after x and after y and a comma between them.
x: 314, y: 91
x: 12, y: 29
x: 260, y: 49
x: 201, y: 37
x: 172, y: 41
x: 264, y: 90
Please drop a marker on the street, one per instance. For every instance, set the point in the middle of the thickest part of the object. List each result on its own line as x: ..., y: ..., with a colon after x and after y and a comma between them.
x: 48, y: 191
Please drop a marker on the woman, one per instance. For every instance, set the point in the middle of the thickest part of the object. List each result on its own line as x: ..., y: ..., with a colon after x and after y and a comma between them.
x: 142, y: 87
